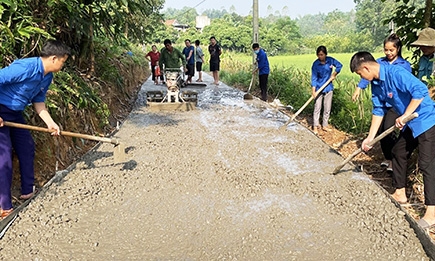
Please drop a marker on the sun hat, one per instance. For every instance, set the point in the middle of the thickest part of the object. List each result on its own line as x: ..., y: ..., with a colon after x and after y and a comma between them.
x: 425, y: 38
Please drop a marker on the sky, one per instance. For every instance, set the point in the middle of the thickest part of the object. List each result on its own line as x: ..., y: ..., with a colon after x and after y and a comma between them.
x: 295, y: 8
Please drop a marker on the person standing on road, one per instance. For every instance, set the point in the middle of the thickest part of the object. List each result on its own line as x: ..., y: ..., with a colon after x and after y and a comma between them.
x: 199, y: 59
x: 153, y: 57
x: 393, y: 56
x: 23, y: 82
x: 189, y: 53
x: 426, y: 43
x: 262, y: 69
x: 402, y: 90
x: 321, y: 72
x: 215, y: 52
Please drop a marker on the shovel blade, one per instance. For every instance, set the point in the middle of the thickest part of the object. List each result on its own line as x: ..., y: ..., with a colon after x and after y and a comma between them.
x: 248, y: 97
x: 119, y: 153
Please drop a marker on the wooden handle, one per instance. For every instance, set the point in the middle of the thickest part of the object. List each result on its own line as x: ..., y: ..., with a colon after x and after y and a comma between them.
x: 250, y: 84
x: 374, y: 141
x: 308, y: 102
x: 64, y: 133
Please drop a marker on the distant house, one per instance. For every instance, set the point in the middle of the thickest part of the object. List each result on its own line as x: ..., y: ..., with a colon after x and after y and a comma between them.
x: 176, y: 25
x: 202, y: 21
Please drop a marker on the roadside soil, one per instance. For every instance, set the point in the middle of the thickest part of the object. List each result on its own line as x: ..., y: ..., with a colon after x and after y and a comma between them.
x: 219, y: 182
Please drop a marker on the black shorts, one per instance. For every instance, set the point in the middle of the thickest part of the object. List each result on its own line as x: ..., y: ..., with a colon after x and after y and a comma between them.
x: 214, y: 67
x: 198, y: 66
x: 190, y: 69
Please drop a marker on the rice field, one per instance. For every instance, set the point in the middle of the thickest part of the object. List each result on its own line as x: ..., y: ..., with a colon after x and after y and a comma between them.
x: 303, y: 61
x: 289, y: 81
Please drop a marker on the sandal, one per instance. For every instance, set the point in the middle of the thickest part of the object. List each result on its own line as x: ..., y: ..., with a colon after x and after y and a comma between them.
x: 30, y: 195
x: 5, y: 213
x: 424, y: 224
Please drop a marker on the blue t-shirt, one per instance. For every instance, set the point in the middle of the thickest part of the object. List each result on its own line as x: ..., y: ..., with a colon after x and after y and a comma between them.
x: 186, y: 52
x: 23, y: 82
x: 398, y: 87
x: 363, y: 83
x: 320, y: 73
x: 262, y: 62
x: 425, y: 67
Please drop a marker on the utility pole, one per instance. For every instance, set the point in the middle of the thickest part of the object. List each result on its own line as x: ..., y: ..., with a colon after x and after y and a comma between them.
x: 255, y: 38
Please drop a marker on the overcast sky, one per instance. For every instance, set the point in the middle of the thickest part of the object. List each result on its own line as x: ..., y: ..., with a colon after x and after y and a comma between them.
x: 295, y: 7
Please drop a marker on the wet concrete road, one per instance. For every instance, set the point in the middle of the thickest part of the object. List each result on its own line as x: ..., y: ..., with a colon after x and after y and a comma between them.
x: 218, y: 183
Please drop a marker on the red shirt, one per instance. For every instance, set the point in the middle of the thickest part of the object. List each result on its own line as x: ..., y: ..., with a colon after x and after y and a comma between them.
x: 154, y: 57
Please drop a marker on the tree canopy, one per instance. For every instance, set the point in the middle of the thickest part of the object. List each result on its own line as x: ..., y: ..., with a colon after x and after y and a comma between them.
x: 363, y: 28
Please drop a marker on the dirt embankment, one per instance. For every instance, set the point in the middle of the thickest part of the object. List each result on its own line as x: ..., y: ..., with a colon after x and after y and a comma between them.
x: 219, y: 182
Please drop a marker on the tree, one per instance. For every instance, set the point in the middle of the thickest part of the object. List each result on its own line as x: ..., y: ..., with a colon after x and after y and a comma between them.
x: 232, y: 31
x: 372, y: 16
x: 311, y: 24
x: 410, y: 17
x: 428, y: 13
x: 269, y: 10
x: 186, y: 15
x: 339, y: 23
x: 232, y: 9
x: 285, y: 11
x: 20, y: 33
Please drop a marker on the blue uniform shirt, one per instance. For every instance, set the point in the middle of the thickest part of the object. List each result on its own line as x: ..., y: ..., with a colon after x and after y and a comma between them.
x: 262, y: 62
x: 320, y: 73
x: 363, y: 83
x: 425, y: 67
x: 186, y: 52
x: 398, y: 87
x: 23, y: 82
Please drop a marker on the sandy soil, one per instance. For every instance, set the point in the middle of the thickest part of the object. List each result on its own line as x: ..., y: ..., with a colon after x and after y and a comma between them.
x: 218, y: 183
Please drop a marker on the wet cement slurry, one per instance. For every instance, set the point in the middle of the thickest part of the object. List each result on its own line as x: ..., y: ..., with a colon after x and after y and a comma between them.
x: 221, y: 182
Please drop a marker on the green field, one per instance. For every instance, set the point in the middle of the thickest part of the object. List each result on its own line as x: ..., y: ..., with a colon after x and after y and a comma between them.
x: 290, y: 81
x: 304, y: 61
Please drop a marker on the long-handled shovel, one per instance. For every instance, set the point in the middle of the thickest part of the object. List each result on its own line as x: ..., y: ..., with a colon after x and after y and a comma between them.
x: 378, y: 138
x: 306, y: 104
x: 118, y: 153
x: 248, y: 96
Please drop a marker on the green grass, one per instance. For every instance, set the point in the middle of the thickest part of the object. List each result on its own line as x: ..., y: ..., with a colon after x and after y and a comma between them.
x: 290, y: 81
x: 304, y: 61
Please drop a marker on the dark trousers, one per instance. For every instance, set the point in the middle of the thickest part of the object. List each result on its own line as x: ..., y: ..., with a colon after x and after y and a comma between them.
x: 263, y: 85
x: 153, y: 70
x: 403, y: 149
x: 22, y: 142
x: 388, y: 142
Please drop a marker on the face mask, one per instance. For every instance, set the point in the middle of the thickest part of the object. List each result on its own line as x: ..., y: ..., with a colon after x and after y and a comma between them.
x: 256, y: 51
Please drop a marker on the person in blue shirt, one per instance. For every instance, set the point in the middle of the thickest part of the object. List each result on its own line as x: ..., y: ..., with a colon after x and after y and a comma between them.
x: 25, y: 82
x: 321, y: 71
x: 426, y: 43
x: 262, y: 69
x: 188, y: 52
x: 407, y: 94
x: 393, y: 56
